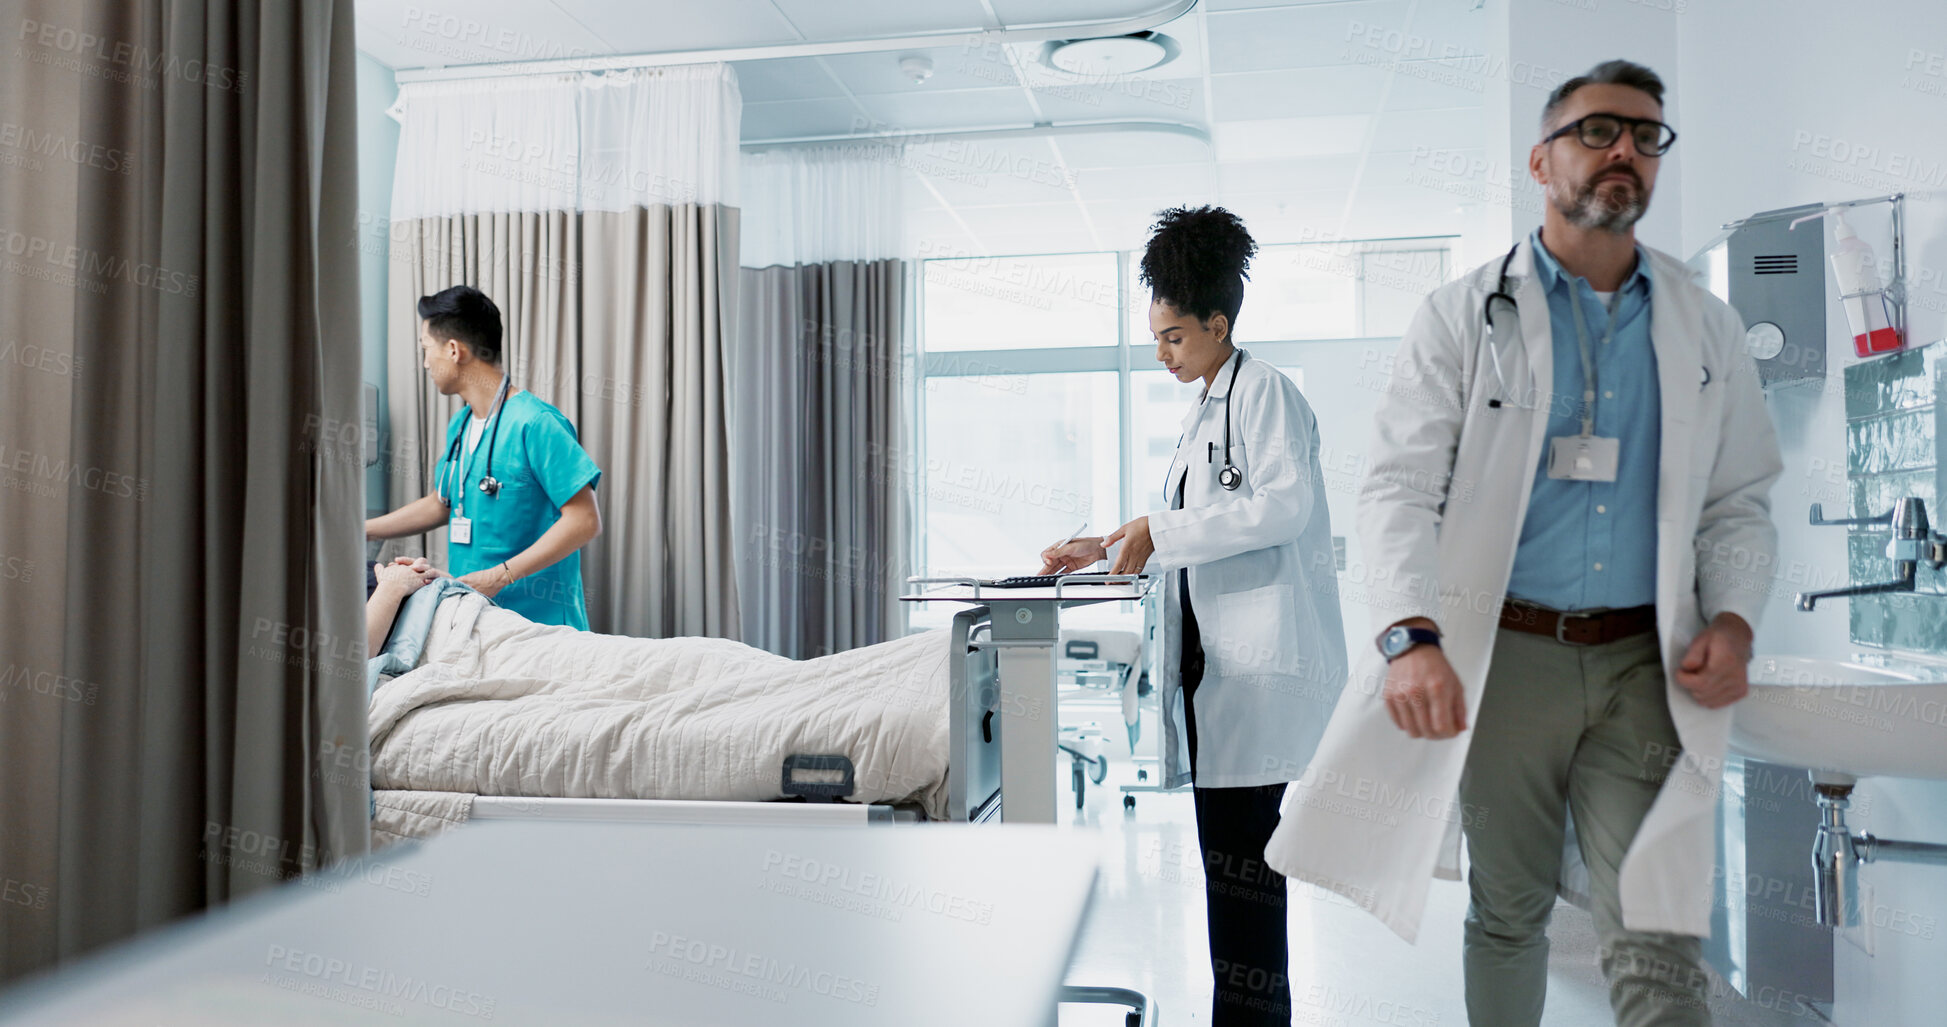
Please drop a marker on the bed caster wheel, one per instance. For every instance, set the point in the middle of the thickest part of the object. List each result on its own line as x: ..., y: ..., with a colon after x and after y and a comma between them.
x: 1129, y: 802
x: 1142, y: 775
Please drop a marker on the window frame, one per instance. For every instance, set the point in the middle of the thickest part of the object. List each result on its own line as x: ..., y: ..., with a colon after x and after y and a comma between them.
x: 1119, y: 358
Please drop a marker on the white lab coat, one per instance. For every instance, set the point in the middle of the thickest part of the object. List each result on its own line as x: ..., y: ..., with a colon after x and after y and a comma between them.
x: 1440, y: 514
x: 1262, y: 582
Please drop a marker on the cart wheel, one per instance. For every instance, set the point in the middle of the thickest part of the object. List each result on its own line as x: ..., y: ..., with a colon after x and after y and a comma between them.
x: 1128, y: 802
x: 1098, y: 769
x: 1133, y: 1020
x: 1142, y: 775
x: 1078, y: 786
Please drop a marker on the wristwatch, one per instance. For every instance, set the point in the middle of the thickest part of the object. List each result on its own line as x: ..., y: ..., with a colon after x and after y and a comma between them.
x: 1397, y: 639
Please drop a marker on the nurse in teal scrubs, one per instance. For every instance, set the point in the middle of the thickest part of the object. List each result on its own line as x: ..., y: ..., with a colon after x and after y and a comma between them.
x: 513, y: 486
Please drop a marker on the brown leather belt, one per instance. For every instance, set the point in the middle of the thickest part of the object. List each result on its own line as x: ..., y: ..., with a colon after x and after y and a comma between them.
x: 1578, y: 628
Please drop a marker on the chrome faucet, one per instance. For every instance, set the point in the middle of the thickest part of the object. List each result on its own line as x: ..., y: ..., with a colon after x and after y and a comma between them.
x: 1912, y: 541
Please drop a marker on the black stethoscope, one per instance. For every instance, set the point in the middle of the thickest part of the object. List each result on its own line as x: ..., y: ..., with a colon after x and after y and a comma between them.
x: 488, y: 484
x: 1487, y: 317
x: 1230, y: 477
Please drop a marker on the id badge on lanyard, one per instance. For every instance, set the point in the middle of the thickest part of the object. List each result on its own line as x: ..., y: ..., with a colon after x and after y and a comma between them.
x: 459, y: 531
x: 1588, y: 456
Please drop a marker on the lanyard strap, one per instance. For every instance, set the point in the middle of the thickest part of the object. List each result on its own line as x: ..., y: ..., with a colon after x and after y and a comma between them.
x: 462, y: 474
x: 1582, y: 344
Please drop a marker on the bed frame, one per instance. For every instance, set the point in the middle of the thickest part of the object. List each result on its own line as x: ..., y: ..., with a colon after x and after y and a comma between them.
x: 822, y: 781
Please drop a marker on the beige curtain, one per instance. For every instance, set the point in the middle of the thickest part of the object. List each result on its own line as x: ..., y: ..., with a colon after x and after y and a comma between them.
x: 619, y: 319
x: 180, y: 642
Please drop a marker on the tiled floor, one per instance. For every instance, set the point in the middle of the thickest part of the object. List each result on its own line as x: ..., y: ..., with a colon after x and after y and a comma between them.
x: 1146, y: 931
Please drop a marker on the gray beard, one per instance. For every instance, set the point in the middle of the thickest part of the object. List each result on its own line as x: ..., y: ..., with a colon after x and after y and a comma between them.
x: 1585, y: 209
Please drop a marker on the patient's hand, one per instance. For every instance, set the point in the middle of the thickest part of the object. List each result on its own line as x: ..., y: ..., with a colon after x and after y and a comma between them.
x: 420, y: 565
x: 403, y: 579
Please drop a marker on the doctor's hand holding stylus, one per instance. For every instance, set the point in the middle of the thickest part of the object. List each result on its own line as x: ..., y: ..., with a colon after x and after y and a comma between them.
x: 1080, y: 553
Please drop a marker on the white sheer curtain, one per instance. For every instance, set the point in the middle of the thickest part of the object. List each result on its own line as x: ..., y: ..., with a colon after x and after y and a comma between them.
x: 816, y: 205
x: 588, y: 141
x: 598, y: 210
x: 819, y: 360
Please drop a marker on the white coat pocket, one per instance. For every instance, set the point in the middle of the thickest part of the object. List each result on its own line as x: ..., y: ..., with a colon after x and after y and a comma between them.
x: 1250, y: 627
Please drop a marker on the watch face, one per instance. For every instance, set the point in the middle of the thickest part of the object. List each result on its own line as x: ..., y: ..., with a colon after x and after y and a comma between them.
x: 1395, y: 642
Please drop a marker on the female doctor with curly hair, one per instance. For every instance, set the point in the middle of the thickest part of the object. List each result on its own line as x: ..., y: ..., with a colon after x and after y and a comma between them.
x: 1253, y: 648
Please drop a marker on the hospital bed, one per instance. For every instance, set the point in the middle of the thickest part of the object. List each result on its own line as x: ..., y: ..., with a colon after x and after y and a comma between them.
x: 979, y: 714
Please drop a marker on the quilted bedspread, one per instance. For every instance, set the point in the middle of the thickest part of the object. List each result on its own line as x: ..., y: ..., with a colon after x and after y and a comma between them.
x: 499, y: 705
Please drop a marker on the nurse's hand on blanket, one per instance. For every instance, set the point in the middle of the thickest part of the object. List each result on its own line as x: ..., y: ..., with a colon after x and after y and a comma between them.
x: 1423, y: 694
x: 489, y: 582
x: 1072, y: 555
x: 1136, y: 546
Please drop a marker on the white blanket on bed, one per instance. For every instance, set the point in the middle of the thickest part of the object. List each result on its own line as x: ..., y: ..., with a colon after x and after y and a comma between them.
x: 499, y: 705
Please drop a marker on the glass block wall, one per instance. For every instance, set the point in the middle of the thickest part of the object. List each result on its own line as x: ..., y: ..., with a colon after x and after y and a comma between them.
x: 1893, y: 449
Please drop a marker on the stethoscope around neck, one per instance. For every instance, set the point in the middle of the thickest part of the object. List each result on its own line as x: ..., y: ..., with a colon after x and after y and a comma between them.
x: 1487, y: 317
x: 488, y: 484
x: 1229, y: 477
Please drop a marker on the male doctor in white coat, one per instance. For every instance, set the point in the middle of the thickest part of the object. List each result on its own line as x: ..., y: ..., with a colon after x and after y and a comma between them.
x: 1570, y: 516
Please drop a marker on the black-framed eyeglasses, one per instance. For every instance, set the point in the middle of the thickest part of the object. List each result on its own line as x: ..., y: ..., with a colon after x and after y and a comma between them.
x: 1600, y: 132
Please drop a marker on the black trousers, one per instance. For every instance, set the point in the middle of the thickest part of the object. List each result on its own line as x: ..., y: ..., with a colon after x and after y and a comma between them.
x: 1244, y: 898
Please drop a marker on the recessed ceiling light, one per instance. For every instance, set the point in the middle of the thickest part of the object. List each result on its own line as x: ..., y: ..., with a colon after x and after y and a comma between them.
x: 1110, y: 55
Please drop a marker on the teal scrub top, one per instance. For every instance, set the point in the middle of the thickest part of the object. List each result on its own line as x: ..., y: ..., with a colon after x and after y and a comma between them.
x: 540, y: 465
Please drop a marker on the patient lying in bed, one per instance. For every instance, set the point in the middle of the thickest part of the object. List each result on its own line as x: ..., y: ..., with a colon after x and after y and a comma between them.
x: 486, y: 702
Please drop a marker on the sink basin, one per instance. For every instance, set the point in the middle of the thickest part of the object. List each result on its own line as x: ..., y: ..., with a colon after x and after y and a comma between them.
x: 1844, y: 720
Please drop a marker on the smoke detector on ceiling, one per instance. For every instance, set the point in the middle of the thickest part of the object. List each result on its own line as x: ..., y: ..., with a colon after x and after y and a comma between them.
x: 1110, y: 55
x: 917, y: 67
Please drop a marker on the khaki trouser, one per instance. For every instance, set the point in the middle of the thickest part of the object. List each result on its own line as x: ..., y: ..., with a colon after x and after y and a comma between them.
x: 1567, y: 728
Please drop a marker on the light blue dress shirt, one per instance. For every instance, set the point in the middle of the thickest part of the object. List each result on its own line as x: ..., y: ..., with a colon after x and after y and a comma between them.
x: 1592, y: 545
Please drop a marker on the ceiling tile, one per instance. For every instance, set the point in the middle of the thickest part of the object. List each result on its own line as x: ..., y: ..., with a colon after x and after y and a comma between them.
x: 667, y: 27
x: 986, y: 173
x: 1424, y: 85
x: 1158, y: 185
x: 959, y: 108
x: 793, y: 78
x: 1164, y: 99
x: 1299, y: 37
x: 954, y: 68
x: 1130, y: 149
x: 1291, y: 137
x: 441, y: 33
x: 873, y: 19
x: 1428, y: 129
x: 1044, y: 12
x: 789, y: 119
x: 1305, y: 174
x: 1297, y: 92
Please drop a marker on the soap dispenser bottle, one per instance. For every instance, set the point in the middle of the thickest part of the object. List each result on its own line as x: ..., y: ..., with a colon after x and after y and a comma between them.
x: 1854, y: 268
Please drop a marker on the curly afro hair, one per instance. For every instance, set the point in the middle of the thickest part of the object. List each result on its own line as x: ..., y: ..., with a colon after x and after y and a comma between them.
x: 1197, y: 261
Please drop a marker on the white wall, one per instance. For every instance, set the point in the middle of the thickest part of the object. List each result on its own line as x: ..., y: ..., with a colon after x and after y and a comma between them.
x: 1787, y: 102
